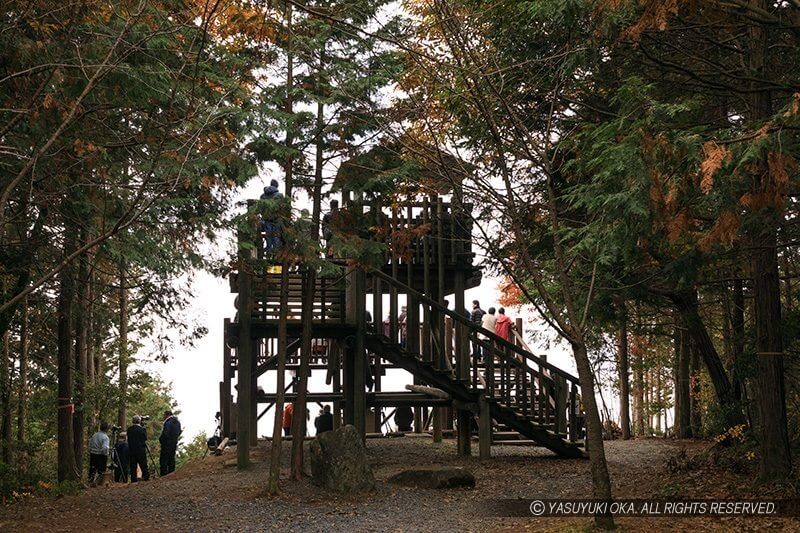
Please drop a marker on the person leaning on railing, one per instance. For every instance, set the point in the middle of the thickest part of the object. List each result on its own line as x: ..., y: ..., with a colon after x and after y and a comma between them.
x: 489, y: 323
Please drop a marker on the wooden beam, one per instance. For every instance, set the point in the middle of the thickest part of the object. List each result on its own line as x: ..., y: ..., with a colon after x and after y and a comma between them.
x: 225, y: 390
x: 245, y: 357
x: 360, y: 356
x: 431, y: 391
x: 221, y: 446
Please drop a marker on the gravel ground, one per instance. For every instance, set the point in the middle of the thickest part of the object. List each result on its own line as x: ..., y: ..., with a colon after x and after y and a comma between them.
x: 207, y: 496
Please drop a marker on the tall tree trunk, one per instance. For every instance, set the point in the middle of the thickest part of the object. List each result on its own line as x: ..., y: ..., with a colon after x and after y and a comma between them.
x: 78, y: 420
x: 775, y: 459
x: 299, y: 422
x: 788, y: 294
x: 683, y: 422
x: 775, y: 462
x: 648, y: 399
x: 6, y: 386
x: 275, y: 451
x: 687, y: 305
x: 737, y: 330
x: 638, y: 392
x: 22, y: 382
x: 67, y: 466
x: 658, y: 395
x: 624, y: 379
x: 601, y: 480
x: 694, y: 393
x: 91, y: 366
x: 122, y: 409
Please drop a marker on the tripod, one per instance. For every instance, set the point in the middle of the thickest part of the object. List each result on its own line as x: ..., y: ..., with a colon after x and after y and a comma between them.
x: 153, y: 469
x: 116, y: 464
x: 216, y: 438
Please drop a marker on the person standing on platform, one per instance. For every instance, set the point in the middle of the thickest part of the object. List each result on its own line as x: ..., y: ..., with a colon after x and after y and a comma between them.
x: 270, y: 221
x: 489, y: 323
x: 402, y: 323
x: 504, y: 325
x: 476, y: 316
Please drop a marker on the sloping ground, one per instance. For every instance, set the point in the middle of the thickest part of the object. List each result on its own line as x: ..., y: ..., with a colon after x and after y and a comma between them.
x: 206, y: 496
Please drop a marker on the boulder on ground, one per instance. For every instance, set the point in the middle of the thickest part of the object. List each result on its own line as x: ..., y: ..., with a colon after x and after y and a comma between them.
x: 339, y: 461
x: 434, y: 478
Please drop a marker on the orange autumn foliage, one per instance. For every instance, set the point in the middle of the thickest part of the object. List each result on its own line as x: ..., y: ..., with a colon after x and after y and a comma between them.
x: 716, y: 156
x: 655, y: 15
x: 510, y: 293
x: 725, y: 231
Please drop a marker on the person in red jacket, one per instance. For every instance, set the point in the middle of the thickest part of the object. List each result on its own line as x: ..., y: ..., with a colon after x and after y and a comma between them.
x: 287, y: 419
x: 504, y: 325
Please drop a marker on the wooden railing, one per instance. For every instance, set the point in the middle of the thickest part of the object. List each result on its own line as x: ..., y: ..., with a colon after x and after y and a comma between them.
x: 510, y: 374
x: 329, y: 298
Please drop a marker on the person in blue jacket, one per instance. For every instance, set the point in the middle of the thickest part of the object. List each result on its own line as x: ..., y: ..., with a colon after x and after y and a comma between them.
x: 270, y: 224
x: 170, y: 434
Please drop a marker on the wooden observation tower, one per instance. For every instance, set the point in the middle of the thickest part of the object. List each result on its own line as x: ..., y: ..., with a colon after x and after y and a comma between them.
x: 512, y: 393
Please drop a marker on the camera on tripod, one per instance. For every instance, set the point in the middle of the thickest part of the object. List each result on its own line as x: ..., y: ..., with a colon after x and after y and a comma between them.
x: 116, y: 428
x: 144, y: 418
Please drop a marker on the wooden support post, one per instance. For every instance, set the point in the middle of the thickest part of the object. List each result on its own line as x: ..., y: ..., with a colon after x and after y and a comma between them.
x: 464, y: 434
x: 573, y: 413
x: 462, y: 357
x: 360, y: 355
x: 377, y: 321
x: 484, y: 429
x: 561, y: 404
x: 437, y: 424
x: 448, y: 342
x: 440, y: 290
x: 412, y: 305
x: 337, y: 388
x: 427, y: 312
x: 462, y: 351
x: 227, y: 376
x: 245, y: 356
x: 254, y: 350
x: 447, y: 412
x: 347, y: 381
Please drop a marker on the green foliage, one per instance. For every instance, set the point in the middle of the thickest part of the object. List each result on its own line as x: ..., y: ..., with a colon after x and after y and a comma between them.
x: 195, y: 449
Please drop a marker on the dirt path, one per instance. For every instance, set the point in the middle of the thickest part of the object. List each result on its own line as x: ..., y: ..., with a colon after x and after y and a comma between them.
x: 207, y: 496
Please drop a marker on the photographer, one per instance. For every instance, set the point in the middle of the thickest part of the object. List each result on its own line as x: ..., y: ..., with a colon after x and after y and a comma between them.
x: 137, y: 449
x: 169, y: 442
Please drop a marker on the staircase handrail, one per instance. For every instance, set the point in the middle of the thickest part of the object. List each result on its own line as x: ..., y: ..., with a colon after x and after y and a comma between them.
x: 458, y: 317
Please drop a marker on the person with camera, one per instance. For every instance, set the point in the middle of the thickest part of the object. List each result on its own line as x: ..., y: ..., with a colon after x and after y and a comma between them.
x: 99, y: 446
x: 169, y: 442
x: 137, y: 449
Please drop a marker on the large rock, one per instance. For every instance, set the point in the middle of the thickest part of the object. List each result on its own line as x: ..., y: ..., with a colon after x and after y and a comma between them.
x: 434, y: 478
x: 339, y: 461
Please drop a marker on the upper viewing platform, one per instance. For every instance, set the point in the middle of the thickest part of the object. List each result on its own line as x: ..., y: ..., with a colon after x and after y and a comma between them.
x: 414, y: 234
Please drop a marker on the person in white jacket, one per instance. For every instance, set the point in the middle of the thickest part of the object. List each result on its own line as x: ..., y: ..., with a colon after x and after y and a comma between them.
x: 488, y: 322
x: 99, y: 446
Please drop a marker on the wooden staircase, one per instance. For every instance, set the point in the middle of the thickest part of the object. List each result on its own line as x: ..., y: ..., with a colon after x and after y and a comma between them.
x: 528, y: 425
